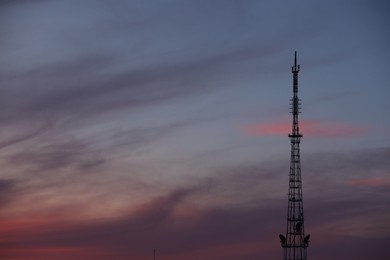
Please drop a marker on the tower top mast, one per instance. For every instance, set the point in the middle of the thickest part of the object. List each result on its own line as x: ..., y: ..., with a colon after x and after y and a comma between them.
x: 295, y: 101
x: 295, y: 68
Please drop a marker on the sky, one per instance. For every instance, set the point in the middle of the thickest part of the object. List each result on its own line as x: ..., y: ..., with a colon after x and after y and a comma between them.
x: 128, y: 126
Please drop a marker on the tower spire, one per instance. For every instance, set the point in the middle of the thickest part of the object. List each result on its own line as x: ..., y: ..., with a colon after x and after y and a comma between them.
x: 295, y: 59
x: 295, y: 243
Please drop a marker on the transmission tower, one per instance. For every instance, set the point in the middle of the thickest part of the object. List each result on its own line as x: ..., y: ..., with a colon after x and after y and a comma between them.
x: 295, y: 243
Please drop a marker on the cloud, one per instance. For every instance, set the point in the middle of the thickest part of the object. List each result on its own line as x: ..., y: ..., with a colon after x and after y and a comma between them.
x: 50, y: 152
x: 104, y: 59
x: 154, y: 225
x: 51, y: 157
x: 82, y: 89
x: 311, y: 128
x: 180, y: 225
x: 346, y: 165
x: 370, y: 182
x: 28, y: 133
x: 212, y: 233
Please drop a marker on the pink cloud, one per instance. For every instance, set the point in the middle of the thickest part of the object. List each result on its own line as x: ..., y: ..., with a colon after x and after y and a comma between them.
x: 371, y: 182
x: 307, y: 128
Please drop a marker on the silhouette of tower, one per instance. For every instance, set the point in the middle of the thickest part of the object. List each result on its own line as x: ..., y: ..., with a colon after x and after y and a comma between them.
x: 295, y: 243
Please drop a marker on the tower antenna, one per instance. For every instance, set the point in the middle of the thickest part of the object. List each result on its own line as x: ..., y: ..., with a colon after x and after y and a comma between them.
x: 295, y: 243
x: 295, y: 59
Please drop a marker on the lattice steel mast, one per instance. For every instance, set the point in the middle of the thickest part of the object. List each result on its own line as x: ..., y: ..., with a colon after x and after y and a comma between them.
x: 295, y: 243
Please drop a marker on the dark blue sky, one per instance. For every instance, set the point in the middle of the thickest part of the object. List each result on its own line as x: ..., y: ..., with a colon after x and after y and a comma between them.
x: 132, y: 125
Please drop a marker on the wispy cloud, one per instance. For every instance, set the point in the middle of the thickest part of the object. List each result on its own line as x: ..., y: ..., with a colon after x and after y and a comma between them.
x: 51, y: 157
x: 149, y: 228
x: 20, y: 132
x: 217, y: 232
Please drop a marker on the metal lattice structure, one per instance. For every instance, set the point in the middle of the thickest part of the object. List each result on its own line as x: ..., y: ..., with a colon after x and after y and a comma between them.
x: 295, y: 243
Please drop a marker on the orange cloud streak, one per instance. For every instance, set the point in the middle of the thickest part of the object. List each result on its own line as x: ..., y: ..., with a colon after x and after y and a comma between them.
x: 307, y: 127
x: 370, y: 182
